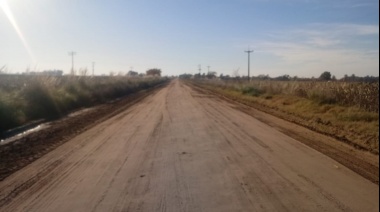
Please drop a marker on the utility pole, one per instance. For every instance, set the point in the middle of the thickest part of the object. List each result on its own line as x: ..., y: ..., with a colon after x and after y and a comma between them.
x: 72, y: 53
x: 208, y: 69
x: 199, y: 69
x: 249, y: 53
x: 93, y: 68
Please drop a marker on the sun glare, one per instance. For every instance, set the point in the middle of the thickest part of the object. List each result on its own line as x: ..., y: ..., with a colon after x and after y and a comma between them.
x: 8, y: 13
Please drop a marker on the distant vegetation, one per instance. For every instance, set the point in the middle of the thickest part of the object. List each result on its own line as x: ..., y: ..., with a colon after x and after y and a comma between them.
x: 154, y: 72
x: 24, y: 98
x: 325, y: 76
x: 362, y: 92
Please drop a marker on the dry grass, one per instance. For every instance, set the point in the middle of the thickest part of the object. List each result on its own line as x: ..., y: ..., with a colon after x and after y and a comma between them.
x: 347, y: 111
x: 27, y: 98
x: 362, y: 95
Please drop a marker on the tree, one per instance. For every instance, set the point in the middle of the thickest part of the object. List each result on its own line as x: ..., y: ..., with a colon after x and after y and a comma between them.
x: 185, y: 76
x: 325, y: 76
x: 285, y: 77
x: 154, y: 72
x: 132, y: 73
x: 263, y: 77
x: 197, y: 76
x: 211, y: 74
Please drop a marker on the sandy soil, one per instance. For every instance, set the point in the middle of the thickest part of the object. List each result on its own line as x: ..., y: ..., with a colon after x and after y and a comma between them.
x: 184, y: 150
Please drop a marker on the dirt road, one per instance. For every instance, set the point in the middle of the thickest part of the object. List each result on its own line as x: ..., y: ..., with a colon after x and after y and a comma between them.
x: 181, y: 150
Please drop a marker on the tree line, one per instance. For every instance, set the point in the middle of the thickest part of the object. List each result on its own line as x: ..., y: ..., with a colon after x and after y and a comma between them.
x: 325, y: 76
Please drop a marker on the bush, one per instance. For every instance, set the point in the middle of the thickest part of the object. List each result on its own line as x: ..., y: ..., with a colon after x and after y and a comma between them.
x: 251, y: 91
x: 10, y: 117
x: 40, y: 103
x: 322, y: 99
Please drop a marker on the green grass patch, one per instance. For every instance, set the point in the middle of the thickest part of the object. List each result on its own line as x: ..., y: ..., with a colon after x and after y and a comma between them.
x: 251, y: 91
x: 358, y: 117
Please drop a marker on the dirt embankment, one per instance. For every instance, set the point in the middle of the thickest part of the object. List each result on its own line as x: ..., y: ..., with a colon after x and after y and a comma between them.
x: 355, y: 157
x: 23, y: 151
x: 351, y: 132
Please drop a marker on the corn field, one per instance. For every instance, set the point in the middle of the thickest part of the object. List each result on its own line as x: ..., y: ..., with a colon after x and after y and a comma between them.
x: 362, y: 95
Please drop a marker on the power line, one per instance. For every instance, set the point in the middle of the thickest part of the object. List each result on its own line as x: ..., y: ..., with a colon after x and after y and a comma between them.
x: 72, y: 53
x: 249, y: 53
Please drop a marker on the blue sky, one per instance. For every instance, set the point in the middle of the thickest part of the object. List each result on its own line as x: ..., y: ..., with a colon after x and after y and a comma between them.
x: 297, y: 37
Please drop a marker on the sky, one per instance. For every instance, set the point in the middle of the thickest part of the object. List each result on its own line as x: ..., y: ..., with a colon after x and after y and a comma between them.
x: 300, y: 38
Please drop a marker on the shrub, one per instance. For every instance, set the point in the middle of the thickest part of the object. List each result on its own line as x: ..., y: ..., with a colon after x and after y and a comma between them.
x: 40, y: 103
x: 251, y: 91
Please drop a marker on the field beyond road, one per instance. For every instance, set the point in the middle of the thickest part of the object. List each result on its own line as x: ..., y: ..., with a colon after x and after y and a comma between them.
x: 181, y: 149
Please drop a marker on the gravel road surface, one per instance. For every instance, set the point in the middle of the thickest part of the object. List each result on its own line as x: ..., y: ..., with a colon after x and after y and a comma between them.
x: 182, y: 150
